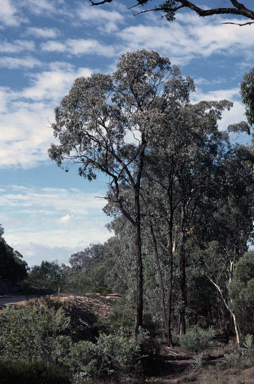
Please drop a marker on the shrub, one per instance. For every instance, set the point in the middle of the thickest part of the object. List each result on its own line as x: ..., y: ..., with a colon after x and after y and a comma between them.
x: 110, y: 354
x: 197, y: 339
x: 33, y: 332
x: 197, y: 363
x: 239, y: 359
x: 38, y: 333
x: 17, y: 372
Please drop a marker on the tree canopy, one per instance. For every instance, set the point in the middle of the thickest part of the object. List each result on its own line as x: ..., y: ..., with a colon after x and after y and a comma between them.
x: 12, y: 265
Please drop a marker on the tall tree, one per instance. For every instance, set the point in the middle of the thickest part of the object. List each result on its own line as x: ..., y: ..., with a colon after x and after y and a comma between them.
x: 184, y: 166
x: 107, y: 122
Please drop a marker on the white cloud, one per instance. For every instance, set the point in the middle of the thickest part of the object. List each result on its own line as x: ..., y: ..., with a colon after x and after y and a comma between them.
x: 17, y: 46
x: 14, y: 62
x: 25, y: 116
x: 41, y: 7
x: 79, y: 47
x: 54, y: 84
x: 188, y: 37
x: 105, y: 21
x: 35, y: 253
x: 53, y: 46
x: 47, y: 33
x: 8, y: 14
x: 65, y: 219
x: 53, y: 217
x: 53, y: 202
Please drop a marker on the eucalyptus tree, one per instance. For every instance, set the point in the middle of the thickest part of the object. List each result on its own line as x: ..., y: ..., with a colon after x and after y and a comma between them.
x: 106, y: 123
x: 183, y: 170
x: 247, y: 94
x: 229, y: 228
x: 169, y: 8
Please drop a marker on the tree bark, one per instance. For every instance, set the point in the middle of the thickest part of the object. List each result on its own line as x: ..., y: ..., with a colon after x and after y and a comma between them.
x: 139, y: 318
x: 230, y: 310
x: 183, y: 295
x: 170, y: 281
x: 160, y: 276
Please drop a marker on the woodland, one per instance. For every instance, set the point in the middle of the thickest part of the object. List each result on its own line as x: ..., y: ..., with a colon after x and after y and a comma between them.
x: 180, y: 197
x: 180, y: 260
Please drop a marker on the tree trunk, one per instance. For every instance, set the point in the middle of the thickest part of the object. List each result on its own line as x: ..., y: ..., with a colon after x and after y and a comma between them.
x: 139, y: 318
x: 230, y: 310
x: 170, y: 280
x: 183, y: 295
x: 160, y: 276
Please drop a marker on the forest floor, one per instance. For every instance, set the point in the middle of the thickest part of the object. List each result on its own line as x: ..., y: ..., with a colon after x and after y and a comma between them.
x: 176, y: 365
x: 178, y: 369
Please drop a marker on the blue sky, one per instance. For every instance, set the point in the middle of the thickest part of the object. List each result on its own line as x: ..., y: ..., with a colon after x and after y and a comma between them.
x: 48, y: 214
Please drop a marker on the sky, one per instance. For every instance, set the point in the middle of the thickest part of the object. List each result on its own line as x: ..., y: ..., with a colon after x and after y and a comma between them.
x: 45, y: 45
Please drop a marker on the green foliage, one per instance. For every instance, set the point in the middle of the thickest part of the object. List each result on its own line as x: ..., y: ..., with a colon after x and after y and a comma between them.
x: 248, y: 347
x: 48, y: 275
x: 34, y: 332
x: 197, y: 339
x: 241, y: 291
x: 110, y: 354
x: 92, y: 279
x: 247, y: 94
x: 123, y: 316
x: 40, y: 332
x: 12, y: 267
x: 239, y: 359
x: 197, y: 363
x: 19, y: 372
x: 95, y: 254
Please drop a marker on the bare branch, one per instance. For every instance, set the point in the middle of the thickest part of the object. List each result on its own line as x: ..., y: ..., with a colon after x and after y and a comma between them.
x: 133, y: 6
x: 101, y: 2
x: 240, y: 25
x: 236, y: 9
x: 147, y: 10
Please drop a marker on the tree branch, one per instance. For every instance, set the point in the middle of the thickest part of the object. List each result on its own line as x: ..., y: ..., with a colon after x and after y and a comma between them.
x: 240, y: 25
x: 101, y: 2
x: 167, y: 7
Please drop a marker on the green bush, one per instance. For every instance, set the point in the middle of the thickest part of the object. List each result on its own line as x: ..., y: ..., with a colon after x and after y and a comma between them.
x: 19, y: 372
x: 239, y: 359
x: 38, y: 332
x: 122, y: 316
x: 110, y: 354
x: 34, y: 332
x: 197, y: 339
